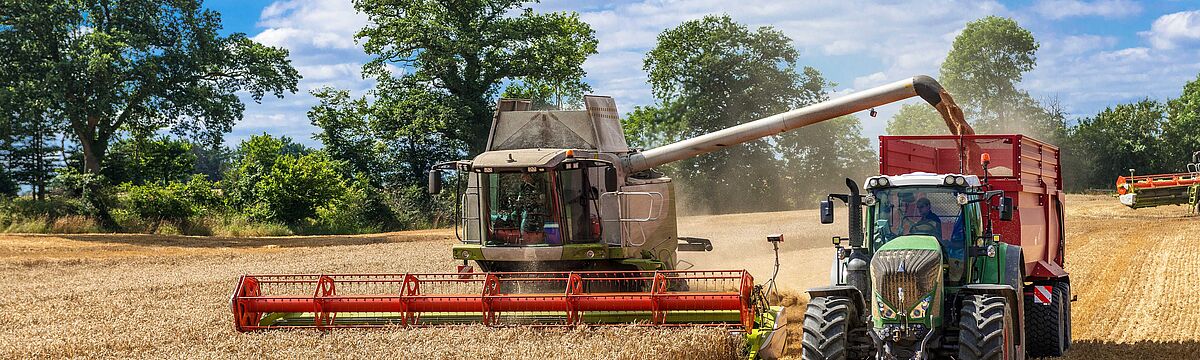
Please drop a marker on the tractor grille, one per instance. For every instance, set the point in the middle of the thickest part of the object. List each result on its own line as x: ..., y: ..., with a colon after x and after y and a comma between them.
x: 914, y: 271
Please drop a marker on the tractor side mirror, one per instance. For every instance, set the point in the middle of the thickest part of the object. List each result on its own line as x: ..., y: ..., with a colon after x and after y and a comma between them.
x: 1006, y: 208
x: 827, y: 211
x: 435, y: 181
x: 610, y: 179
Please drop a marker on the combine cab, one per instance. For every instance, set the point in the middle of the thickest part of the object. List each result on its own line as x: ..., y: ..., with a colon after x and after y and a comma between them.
x: 1143, y: 191
x: 570, y: 227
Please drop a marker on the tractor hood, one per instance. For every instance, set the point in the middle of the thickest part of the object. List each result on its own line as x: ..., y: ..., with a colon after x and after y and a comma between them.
x: 520, y: 159
x: 907, y: 274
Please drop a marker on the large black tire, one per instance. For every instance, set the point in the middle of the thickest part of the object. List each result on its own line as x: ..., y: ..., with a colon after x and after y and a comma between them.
x: 1047, y: 325
x: 827, y: 325
x: 985, y: 329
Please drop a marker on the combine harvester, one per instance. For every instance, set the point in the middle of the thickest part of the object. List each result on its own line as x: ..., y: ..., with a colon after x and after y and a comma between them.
x: 569, y: 226
x: 957, y: 259
x: 1143, y: 191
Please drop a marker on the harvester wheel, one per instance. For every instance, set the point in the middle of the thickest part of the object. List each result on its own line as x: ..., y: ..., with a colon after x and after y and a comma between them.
x: 985, y: 329
x: 1067, y: 307
x: 829, y: 325
x: 1047, y: 324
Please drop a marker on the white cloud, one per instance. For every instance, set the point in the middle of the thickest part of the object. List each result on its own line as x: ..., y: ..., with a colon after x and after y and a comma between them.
x: 903, y: 41
x: 1058, y: 9
x: 1173, y: 30
x: 319, y: 36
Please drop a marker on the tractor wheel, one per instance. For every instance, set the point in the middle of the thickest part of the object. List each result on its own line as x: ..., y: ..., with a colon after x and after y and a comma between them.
x: 1047, y: 324
x: 985, y: 329
x: 830, y: 329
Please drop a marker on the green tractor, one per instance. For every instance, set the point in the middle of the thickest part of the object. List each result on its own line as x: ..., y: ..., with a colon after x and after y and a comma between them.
x: 927, y: 278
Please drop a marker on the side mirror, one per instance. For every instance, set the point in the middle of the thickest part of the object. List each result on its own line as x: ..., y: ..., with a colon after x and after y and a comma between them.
x: 435, y: 181
x: 1006, y: 208
x: 826, y: 212
x: 610, y: 179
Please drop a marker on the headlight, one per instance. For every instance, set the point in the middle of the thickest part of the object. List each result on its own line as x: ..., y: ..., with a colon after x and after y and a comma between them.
x: 962, y: 199
x: 949, y: 180
x: 921, y: 309
x: 885, y: 311
x: 869, y: 200
x: 883, y: 181
x: 961, y: 181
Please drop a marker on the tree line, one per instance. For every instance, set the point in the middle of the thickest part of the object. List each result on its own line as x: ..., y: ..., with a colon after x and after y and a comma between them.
x: 115, y: 112
x: 983, y: 70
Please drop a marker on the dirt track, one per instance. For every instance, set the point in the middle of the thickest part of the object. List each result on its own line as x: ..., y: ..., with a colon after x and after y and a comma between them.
x: 1134, y: 272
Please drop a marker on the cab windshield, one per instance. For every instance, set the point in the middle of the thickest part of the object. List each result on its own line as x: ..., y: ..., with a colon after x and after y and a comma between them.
x: 933, y: 211
x: 541, y: 208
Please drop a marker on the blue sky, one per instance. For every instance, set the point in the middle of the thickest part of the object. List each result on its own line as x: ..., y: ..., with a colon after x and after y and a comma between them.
x: 1093, y: 53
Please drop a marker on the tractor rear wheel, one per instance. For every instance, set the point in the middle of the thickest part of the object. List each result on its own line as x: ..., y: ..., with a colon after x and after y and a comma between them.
x: 831, y: 328
x: 985, y: 329
x: 1048, y: 324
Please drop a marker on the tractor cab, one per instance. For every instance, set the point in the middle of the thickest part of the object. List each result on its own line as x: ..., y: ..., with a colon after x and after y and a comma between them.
x: 934, y: 207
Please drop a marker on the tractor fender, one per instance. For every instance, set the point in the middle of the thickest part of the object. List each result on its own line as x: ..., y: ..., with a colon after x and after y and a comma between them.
x: 840, y: 290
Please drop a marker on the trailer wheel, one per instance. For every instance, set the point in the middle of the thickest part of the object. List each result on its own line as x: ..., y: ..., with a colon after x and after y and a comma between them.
x: 830, y: 324
x: 1048, y: 325
x: 985, y: 329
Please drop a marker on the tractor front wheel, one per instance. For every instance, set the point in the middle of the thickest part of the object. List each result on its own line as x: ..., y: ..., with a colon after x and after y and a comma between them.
x: 986, y: 329
x: 832, y: 330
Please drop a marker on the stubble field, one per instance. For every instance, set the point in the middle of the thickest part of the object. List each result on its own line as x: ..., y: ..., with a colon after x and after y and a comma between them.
x: 1135, y: 273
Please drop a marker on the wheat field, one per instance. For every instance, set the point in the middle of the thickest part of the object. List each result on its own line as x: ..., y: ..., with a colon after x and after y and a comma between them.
x: 139, y: 296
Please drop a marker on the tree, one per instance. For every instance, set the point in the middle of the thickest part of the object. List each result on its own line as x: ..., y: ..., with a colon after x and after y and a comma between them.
x: 1181, y: 133
x: 1118, y: 139
x: 713, y: 73
x: 467, y: 48
x: 295, y: 187
x: 137, y: 64
x: 983, y: 68
x: 396, y: 137
x: 917, y: 119
x: 141, y: 159
x: 548, y: 96
x: 253, y: 160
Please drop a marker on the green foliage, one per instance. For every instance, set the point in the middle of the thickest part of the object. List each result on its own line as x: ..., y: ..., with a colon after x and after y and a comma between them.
x: 142, y: 160
x: 983, y: 68
x: 138, y: 64
x: 8, y: 186
x: 549, y: 96
x: 1118, y: 139
x: 714, y: 73
x: 466, y: 49
x: 157, y: 203
x: 917, y: 119
x: 1181, y: 133
x: 253, y: 160
x: 295, y: 187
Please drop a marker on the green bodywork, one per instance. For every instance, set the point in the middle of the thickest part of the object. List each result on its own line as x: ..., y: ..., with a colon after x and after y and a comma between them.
x: 979, y: 269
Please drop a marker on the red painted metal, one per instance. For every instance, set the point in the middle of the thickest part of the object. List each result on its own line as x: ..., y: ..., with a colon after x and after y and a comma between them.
x: 1155, y: 181
x: 1026, y: 169
x: 405, y: 297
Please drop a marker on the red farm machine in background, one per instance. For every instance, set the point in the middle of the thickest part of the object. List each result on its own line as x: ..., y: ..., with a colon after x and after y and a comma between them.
x: 1143, y: 191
